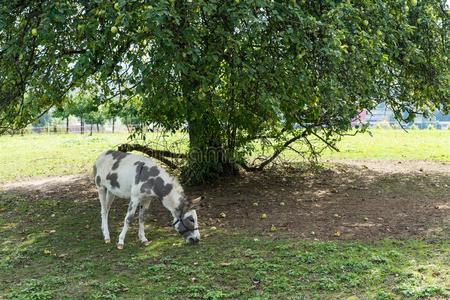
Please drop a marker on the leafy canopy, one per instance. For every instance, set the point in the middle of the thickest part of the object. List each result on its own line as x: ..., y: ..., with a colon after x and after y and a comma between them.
x: 231, y: 72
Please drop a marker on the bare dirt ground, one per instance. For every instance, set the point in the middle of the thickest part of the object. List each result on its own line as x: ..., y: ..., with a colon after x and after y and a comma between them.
x: 364, y: 200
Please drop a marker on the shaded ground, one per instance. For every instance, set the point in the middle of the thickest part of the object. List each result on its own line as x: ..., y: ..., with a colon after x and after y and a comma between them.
x: 347, y: 200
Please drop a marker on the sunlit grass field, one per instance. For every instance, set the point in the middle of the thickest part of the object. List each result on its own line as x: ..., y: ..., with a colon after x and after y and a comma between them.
x: 47, y: 155
x: 395, y: 144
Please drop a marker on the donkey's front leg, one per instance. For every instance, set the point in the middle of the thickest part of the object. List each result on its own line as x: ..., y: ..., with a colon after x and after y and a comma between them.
x: 134, y: 202
x: 142, y: 211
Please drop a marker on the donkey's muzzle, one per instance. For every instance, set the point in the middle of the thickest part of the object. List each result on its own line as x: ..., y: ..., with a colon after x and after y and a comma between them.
x: 193, y: 241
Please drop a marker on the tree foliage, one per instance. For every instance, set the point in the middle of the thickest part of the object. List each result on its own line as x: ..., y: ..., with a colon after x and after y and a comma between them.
x: 229, y: 72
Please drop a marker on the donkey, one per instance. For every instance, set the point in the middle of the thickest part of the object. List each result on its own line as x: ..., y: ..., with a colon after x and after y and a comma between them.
x: 139, y: 179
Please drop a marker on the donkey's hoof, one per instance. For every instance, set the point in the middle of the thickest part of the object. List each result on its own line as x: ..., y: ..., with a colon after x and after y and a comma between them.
x: 146, y: 243
x: 107, y: 241
x: 120, y: 246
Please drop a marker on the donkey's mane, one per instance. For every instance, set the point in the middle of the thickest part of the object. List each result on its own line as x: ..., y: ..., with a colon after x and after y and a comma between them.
x: 177, y: 186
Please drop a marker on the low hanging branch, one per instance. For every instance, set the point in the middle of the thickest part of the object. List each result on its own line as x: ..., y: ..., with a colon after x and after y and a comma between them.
x: 163, y: 155
x: 160, y: 155
x: 275, y: 154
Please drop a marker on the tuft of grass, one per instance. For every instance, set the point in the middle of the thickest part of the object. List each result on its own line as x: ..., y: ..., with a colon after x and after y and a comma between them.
x: 43, y: 257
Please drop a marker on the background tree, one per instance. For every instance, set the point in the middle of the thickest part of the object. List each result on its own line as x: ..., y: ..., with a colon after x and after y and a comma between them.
x: 111, y: 112
x: 129, y: 113
x: 97, y: 117
x: 230, y: 73
x: 64, y: 112
x: 84, y: 106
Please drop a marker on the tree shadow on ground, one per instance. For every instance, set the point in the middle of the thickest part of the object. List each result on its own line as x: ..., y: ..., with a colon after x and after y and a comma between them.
x: 337, y: 202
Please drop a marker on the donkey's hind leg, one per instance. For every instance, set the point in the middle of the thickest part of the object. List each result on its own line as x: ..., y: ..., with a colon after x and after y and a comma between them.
x: 142, y: 212
x: 102, y: 195
x: 108, y: 201
x: 134, y: 202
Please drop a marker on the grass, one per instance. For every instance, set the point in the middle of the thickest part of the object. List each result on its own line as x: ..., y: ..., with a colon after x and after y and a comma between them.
x: 395, y: 144
x: 27, y: 156
x: 45, y: 257
x: 52, y: 248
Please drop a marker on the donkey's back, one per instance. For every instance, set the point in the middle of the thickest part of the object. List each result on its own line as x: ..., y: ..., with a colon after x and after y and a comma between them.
x: 119, y: 172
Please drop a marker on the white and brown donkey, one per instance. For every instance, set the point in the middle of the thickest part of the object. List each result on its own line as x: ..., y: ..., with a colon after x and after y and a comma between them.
x: 139, y: 179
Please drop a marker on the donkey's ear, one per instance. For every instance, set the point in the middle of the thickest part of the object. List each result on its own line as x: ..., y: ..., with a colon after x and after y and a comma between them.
x: 196, y: 202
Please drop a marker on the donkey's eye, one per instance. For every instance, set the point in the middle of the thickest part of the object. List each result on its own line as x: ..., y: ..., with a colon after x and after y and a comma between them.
x: 189, y: 222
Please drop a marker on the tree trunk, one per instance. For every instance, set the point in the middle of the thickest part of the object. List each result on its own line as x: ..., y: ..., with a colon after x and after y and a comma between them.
x: 113, y: 123
x: 98, y: 129
x: 92, y: 125
x: 67, y: 124
x: 208, y: 157
x: 82, y: 125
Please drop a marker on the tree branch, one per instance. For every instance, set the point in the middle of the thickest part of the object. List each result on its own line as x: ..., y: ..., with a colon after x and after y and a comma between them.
x: 325, y: 141
x: 160, y: 155
x: 275, y: 154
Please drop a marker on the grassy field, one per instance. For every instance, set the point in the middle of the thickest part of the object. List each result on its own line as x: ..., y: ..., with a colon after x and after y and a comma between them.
x: 51, y: 247
x: 396, y: 144
x: 47, y: 155
x: 48, y: 253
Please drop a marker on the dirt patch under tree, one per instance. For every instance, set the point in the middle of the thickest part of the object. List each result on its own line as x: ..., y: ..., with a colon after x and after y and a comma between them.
x: 347, y: 200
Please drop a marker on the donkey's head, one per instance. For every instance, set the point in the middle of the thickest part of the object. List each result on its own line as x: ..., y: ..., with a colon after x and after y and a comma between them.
x: 186, y: 224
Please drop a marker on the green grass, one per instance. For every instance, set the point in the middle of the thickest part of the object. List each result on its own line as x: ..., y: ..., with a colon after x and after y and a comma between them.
x: 52, y: 248
x: 395, y: 144
x: 48, y: 155
x: 43, y: 257
x: 39, y: 155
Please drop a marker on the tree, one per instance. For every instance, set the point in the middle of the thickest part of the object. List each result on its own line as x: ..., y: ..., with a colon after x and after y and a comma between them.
x: 64, y: 112
x: 111, y: 112
x: 96, y: 117
x: 129, y: 112
x: 230, y: 73
x: 85, y: 107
